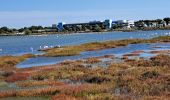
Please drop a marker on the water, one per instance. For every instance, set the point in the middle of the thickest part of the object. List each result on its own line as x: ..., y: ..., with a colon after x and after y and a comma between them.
x: 18, y: 45
x: 118, y: 52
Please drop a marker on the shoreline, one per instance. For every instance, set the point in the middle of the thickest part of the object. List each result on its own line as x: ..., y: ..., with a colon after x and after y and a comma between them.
x: 60, y: 33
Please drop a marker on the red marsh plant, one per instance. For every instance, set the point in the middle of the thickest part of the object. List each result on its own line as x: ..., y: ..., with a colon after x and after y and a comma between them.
x: 92, y: 60
x: 39, y: 83
x: 138, y: 63
x: 162, y: 97
x: 8, y: 62
x: 30, y: 92
x: 38, y: 92
x: 161, y: 60
x: 143, y: 80
x: 65, y: 72
x: 11, y: 93
x: 83, y: 90
x: 17, y: 77
x: 63, y: 97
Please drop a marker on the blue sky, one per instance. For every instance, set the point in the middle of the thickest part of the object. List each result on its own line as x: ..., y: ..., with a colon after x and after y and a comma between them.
x: 20, y: 13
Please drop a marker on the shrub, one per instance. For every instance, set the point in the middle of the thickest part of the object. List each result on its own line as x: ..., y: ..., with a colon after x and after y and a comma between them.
x: 62, y: 97
x: 17, y: 77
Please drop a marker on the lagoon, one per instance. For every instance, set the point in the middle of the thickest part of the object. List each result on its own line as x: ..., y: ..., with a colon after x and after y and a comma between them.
x: 18, y: 45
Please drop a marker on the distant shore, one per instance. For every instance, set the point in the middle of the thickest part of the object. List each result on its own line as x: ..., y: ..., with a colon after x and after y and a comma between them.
x: 103, y: 31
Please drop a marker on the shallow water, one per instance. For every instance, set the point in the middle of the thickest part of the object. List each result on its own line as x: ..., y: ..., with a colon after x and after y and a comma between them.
x: 18, y: 45
x: 118, y: 52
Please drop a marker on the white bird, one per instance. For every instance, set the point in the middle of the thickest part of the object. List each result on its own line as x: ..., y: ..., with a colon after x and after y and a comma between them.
x: 59, y: 46
x: 1, y: 50
x: 51, y: 46
x: 32, y: 49
x: 166, y: 33
x: 46, y: 47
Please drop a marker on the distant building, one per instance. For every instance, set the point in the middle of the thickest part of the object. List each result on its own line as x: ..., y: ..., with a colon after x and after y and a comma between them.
x: 124, y: 23
x: 54, y: 26
x: 131, y: 23
x: 153, y: 24
x: 60, y: 26
x: 108, y: 23
x: 121, y: 21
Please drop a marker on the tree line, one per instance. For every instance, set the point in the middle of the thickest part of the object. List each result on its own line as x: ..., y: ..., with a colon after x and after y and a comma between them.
x: 164, y: 22
x: 93, y: 28
x: 25, y: 30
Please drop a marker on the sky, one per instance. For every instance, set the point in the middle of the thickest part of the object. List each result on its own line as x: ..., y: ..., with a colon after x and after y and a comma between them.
x: 21, y: 13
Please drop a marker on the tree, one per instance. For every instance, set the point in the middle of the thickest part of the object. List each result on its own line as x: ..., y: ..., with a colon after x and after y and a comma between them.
x: 89, y: 27
x: 27, y: 32
x: 116, y: 26
x: 159, y: 21
x: 147, y: 22
x: 84, y: 28
x: 78, y: 28
x: 167, y: 20
x: 35, y: 28
x: 21, y: 30
x: 97, y: 28
x: 5, y: 29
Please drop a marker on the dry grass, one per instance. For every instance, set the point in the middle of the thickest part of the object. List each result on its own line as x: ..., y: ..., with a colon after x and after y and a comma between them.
x: 39, y: 83
x: 34, y: 92
x: 8, y: 62
x: 92, y: 60
x: 63, y: 97
x: 17, y: 77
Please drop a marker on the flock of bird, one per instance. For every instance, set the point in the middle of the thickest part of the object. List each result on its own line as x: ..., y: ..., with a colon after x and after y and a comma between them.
x: 44, y: 47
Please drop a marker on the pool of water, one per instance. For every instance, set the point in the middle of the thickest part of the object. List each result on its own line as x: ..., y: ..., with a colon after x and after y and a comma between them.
x: 118, y: 52
x: 18, y: 45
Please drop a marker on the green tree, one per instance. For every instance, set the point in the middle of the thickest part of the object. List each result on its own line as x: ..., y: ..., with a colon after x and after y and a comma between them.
x: 167, y: 20
x: 27, y: 32
x: 147, y: 22
x: 159, y: 21
x: 21, y: 30
x: 84, y: 28
x: 97, y: 28
x: 5, y: 30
